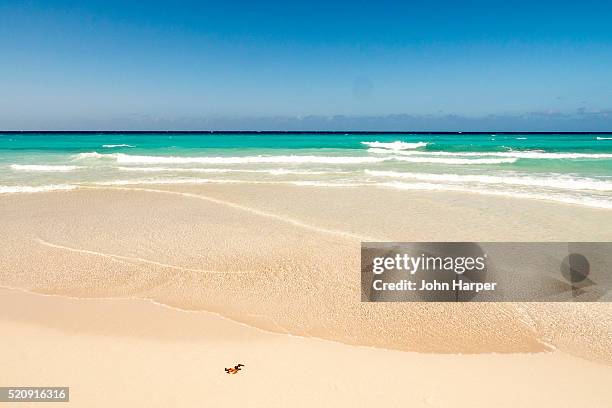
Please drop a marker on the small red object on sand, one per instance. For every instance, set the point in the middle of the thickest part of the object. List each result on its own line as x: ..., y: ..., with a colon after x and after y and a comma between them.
x: 235, y: 369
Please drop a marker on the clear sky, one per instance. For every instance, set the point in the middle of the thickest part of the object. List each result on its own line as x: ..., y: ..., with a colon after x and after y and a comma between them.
x: 426, y: 65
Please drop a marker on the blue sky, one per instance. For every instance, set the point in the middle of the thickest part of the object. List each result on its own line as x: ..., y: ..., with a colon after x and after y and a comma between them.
x: 439, y: 65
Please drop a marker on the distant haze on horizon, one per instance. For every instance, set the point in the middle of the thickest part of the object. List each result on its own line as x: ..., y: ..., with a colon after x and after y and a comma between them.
x: 200, y: 65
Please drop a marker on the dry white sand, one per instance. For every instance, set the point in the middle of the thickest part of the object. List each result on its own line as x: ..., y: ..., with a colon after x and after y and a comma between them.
x: 132, y: 353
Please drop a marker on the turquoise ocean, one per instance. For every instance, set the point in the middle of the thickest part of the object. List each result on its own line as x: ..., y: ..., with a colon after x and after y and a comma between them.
x: 575, y: 169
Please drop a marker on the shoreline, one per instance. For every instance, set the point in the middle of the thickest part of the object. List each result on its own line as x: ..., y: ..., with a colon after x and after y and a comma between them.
x: 546, y: 348
x: 290, y: 264
x: 133, y: 346
x: 394, y: 185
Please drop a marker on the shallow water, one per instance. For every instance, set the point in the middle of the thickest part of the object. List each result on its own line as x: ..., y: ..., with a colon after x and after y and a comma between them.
x: 569, y: 168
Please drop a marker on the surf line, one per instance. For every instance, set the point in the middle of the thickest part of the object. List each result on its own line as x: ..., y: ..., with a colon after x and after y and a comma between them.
x: 251, y: 210
x: 134, y: 259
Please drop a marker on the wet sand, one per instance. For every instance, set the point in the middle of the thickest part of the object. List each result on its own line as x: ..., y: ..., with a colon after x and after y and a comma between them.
x: 130, y: 352
x: 285, y: 259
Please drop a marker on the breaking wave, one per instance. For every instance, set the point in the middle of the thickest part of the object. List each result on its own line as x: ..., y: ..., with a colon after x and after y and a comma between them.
x: 90, y: 155
x: 397, y: 145
x: 43, y: 168
x: 526, y: 154
x: 441, y: 160
x: 122, y: 158
x: 293, y: 159
x: 554, y: 182
x: 565, y: 199
x: 275, y: 172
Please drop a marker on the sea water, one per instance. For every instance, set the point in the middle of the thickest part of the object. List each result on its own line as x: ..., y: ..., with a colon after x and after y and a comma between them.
x: 575, y: 169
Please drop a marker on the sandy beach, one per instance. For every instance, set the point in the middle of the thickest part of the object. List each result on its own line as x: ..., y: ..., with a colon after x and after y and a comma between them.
x: 268, y: 276
x: 126, y: 353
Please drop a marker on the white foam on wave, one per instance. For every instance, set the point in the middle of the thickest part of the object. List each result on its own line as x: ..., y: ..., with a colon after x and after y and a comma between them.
x: 132, y: 159
x: 223, y: 181
x: 293, y: 159
x: 397, y: 145
x: 565, y: 199
x: 442, y: 160
x: 604, y: 138
x: 521, y: 138
x: 172, y: 169
x: 91, y: 155
x: 43, y: 168
x: 524, y: 154
x: 34, y: 189
x: 165, y: 181
x: 274, y: 172
x: 555, y: 182
x: 110, y: 146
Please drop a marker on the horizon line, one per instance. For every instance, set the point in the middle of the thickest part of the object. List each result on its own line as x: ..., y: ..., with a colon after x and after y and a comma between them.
x: 433, y: 132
